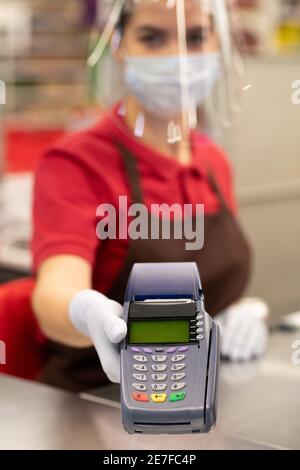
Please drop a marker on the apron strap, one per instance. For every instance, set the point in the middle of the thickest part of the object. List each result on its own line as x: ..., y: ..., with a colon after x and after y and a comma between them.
x: 132, y: 174
x: 216, y: 189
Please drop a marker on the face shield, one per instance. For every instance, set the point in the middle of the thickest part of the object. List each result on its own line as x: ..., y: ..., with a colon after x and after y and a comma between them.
x: 169, y: 66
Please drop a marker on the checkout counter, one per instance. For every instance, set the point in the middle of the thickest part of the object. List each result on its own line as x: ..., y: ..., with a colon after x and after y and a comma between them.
x: 259, y: 409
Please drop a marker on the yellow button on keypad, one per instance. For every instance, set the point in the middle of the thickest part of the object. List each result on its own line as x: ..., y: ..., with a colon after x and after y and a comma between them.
x: 158, y: 397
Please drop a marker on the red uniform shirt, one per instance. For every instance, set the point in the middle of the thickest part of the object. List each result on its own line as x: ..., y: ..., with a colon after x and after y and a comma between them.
x: 85, y: 169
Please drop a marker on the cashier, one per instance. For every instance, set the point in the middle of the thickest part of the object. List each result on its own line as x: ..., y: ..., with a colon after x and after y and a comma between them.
x: 168, y: 60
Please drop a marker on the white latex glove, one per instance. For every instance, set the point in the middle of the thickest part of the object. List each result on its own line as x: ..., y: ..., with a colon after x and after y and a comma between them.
x: 243, y: 328
x: 98, y: 317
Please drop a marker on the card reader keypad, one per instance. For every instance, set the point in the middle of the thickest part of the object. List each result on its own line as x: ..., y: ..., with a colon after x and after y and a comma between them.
x: 160, y: 374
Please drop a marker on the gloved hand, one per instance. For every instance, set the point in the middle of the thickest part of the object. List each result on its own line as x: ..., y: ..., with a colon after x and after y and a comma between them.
x: 243, y: 329
x: 98, y: 317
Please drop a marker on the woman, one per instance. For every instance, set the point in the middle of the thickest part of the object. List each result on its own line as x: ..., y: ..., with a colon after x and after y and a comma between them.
x: 170, y: 54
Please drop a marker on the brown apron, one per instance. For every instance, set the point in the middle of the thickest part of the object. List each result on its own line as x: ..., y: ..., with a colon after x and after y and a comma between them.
x: 224, y: 266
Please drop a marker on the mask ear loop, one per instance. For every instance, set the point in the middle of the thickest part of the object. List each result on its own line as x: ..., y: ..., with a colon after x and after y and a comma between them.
x: 107, y: 33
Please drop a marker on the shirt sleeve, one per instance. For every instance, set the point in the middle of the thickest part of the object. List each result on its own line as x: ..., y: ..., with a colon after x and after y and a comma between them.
x: 64, y: 209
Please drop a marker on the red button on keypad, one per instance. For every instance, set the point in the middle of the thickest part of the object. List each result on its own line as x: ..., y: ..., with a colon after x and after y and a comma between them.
x: 140, y: 396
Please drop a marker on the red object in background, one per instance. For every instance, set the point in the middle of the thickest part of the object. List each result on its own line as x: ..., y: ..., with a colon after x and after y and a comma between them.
x: 24, y: 148
x: 25, y: 345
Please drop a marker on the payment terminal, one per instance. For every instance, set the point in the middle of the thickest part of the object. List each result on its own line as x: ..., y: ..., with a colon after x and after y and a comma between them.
x: 170, y: 357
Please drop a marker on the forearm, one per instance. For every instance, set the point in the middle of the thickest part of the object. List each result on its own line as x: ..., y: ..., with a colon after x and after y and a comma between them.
x: 64, y: 297
x: 50, y: 301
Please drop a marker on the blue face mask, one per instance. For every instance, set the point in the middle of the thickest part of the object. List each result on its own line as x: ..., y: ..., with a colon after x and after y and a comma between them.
x: 159, y: 84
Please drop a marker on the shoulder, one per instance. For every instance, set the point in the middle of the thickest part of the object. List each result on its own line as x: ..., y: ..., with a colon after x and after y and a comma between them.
x: 91, y: 151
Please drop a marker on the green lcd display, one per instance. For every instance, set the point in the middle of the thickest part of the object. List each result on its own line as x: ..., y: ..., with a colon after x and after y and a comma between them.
x: 158, y: 331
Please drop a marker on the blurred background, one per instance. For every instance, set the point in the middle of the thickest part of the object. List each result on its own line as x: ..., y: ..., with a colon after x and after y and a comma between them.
x: 49, y: 91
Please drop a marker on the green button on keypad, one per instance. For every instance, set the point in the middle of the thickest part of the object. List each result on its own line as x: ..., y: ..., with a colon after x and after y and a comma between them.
x: 177, y: 396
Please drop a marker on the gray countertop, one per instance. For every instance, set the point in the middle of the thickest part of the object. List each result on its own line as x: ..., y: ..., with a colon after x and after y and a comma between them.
x: 259, y: 407
x: 258, y: 401
x: 262, y: 400
x: 34, y: 416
